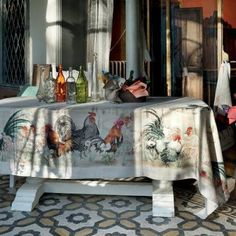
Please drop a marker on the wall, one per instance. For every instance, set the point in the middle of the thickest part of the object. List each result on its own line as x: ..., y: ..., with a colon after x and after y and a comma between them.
x: 57, y: 32
x: 229, y: 15
x: 45, y: 32
x: 209, y: 6
x: 74, y: 27
x: 38, y: 31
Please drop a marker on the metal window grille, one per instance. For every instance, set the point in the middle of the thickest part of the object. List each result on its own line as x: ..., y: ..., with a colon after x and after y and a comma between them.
x: 14, y: 36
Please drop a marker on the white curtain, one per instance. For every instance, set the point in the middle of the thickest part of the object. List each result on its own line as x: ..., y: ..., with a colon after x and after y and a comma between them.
x: 223, y: 100
x: 222, y: 104
x: 100, y: 15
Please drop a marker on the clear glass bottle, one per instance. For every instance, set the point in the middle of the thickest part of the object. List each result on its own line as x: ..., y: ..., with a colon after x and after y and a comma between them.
x: 81, y: 87
x: 95, y: 85
x: 49, y: 88
x: 89, y: 78
x: 70, y: 88
x: 40, y: 93
x: 60, y: 86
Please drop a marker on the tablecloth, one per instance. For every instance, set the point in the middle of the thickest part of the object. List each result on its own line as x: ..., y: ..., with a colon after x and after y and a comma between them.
x: 164, y: 138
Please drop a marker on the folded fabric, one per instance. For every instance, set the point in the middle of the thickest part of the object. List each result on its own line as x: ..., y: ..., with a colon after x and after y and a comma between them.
x: 232, y: 114
x: 138, y: 89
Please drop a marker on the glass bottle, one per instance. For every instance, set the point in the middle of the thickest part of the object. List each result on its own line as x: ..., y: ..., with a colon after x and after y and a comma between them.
x: 89, y: 78
x: 49, y: 88
x: 54, y: 70
x: 95, y: 85
x: 60, y: 86
x: 40, y: 93
x: 81, y: 87
x: 70, y: 88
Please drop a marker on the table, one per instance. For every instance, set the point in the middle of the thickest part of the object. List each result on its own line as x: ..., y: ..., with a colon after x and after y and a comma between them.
x: 164, y: 139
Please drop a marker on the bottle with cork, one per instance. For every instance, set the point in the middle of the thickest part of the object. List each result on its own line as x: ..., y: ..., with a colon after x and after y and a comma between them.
x: 60, y: 85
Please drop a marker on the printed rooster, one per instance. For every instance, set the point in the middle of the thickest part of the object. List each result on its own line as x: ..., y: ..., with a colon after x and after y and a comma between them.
x: 14, y: 126
x: 65, y: 137
x: 114, y: 137
x: 59, y: 139
x: 88, y: 135
x: 158, y: 145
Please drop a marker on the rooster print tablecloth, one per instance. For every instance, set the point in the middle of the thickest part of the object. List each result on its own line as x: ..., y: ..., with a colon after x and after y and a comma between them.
x: 163, y: 139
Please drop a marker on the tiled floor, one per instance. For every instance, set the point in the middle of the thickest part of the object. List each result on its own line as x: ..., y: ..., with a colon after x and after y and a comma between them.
x: 113, y: 216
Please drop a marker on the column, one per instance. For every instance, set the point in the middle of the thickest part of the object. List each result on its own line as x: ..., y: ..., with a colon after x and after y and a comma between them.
x: 168, y: 49
x: 219, y: 33
x: 133, y: 38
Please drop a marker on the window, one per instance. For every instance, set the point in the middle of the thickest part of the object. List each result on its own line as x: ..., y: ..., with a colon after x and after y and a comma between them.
x: 13, y: 23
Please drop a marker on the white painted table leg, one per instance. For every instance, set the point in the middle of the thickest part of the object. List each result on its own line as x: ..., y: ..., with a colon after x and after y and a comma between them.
x: 12, y: 181
x: 27, y: 196
x: 100, y: 187
x: 163, y: 199
x: 29, y: 193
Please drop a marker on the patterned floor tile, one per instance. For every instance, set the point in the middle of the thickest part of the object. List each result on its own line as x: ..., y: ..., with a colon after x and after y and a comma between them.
x: 69, y: 215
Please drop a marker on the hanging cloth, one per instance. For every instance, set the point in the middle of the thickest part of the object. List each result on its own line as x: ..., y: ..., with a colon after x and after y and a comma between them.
x: 99, y: 29
x: 222, y: 107
x: 223, y: 100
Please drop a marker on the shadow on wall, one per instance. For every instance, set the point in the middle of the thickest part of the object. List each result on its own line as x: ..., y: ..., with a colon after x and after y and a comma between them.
x: 74, y: 31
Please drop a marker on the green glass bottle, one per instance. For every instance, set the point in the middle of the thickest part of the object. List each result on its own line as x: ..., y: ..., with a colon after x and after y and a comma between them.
x: 81, y: 87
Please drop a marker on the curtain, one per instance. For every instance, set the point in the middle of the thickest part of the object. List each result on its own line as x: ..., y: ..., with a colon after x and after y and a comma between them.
x: 223, y: 100
x: 100, y: 15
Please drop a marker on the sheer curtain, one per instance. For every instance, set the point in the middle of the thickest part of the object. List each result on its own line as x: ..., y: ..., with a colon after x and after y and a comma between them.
x: 100, y: 15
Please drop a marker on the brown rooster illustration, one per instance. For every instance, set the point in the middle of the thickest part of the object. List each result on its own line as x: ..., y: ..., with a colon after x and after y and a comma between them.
x: 64, y: 137
x: 59, y: 139
x: 114, y: 136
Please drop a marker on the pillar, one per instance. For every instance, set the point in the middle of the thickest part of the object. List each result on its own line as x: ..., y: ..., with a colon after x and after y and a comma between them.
x: 133, y: 38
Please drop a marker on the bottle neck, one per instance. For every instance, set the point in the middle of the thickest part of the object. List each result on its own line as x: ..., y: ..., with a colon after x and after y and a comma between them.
x: 60, y: 69
x: 70, y: 73
x: 60, y: 75
x: 50, y: 74
x: 81, y: 73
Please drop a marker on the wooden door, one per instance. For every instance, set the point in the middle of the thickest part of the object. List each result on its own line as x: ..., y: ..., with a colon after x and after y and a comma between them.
x: 187, y: 52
